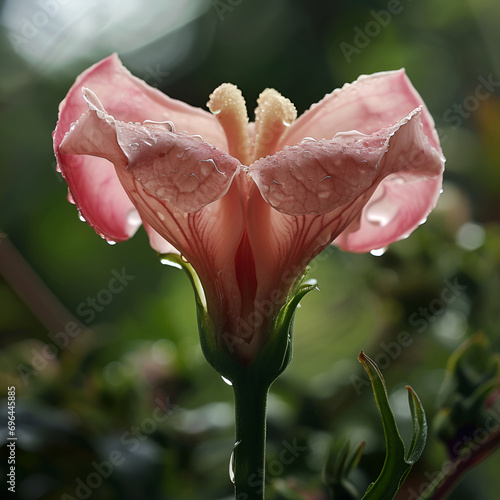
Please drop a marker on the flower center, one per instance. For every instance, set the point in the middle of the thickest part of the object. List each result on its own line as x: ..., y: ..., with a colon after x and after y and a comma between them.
x: 273, y: 115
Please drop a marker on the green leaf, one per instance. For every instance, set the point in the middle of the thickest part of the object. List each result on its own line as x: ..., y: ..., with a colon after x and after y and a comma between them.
x: 396, y: 465
x: 419, y: 434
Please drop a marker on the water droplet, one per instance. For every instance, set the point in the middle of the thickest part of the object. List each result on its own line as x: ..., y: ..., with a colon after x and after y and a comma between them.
x: 199, y: 137
x: 58, y: 168
x: 70, y: 198
x: 72, y: 127
x: 227, y: 381
x: 133, y: 219
x: 232, y: 462
x: 111, y: 242
x: 81, y: 217
x: 378, y: 252
x: 184, y: 259
x: 381, y: 212
x: 398, y: 180
x: 148, y: 142
x: 160, y: 216
x: 167, y: 262
x: 308, y: 139
x: 135, y: 146
x: 109, y: 120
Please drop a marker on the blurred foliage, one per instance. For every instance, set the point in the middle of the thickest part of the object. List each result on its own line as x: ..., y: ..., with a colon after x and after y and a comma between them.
x: 94, y: 401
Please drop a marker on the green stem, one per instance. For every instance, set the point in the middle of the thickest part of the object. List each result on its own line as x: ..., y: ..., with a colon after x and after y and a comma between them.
x: 250, y: 397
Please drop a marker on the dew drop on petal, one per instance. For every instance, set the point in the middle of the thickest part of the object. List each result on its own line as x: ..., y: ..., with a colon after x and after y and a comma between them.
x: 378, y: 252
x: 226, y: 380
x: 111, y: 242
x: 133, y: 217
x: 160, y: 216
x: 184, y: 259
x: 398, y: 180
x: 381, y: 212
x: 133, y: 221
x: 81, y: 217
x: 70, y: 198
x: 135, y: 146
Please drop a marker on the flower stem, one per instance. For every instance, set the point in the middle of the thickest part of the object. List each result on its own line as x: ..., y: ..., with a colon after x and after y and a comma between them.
x: 250, y: 397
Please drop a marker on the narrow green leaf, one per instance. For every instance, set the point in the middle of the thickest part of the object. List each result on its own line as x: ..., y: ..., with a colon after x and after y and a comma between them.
x: 395, y: 467
x: 419, y: 433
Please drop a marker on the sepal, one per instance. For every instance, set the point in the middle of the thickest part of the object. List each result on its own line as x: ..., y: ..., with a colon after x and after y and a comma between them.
x: 276, y: 353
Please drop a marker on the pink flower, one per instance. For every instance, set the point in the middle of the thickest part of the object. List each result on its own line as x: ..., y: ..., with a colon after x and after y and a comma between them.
x: 248, y: 204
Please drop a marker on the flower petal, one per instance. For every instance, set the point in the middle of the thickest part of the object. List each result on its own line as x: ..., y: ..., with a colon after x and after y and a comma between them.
x: 367, y: 105
x: 316, y: 177
x: 354, y: 168
x: 92, y: 182
x: 182, y: 187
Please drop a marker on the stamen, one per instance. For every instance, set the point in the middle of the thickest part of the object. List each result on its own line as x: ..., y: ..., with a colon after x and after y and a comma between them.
x: 274, y: 114
x: 228, y: 105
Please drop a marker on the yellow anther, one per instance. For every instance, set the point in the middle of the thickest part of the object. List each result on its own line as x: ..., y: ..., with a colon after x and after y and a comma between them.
x: 228, y: 105
x: 273, y: 115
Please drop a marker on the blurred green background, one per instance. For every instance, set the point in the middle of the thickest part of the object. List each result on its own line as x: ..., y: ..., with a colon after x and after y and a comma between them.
x: 83, y: 395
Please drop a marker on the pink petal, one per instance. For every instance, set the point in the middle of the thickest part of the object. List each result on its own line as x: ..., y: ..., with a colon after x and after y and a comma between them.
x: 182, y: 187
x: 367, y: 105
x: 404, y: 199
x: 92, y: 182
x: 316, y: 177
x: 353, y: 167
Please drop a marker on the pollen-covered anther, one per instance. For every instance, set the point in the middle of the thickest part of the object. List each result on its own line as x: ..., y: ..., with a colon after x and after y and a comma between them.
x: 274, y: 114
x: 228, y: 105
